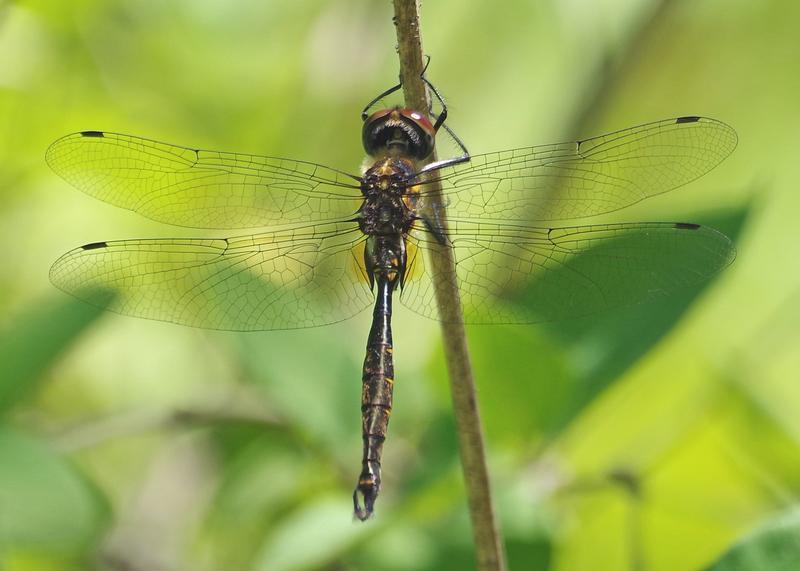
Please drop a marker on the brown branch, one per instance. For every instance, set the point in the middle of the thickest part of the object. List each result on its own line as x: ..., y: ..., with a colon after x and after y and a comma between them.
x: 488, y: 542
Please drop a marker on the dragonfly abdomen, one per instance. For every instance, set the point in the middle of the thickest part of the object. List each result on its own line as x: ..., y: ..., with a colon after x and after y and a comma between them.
x: 377, y: 383
x: 385, y: 256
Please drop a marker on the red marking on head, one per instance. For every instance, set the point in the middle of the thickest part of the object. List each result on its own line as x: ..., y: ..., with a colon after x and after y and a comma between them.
x: 398, y: 126
x: 418, y: 118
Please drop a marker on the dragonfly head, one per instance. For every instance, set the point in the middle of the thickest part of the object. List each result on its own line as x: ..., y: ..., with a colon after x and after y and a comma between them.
x: 398, y: 131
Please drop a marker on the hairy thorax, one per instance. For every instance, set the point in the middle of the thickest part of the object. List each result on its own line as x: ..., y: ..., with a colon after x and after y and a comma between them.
x: 386, y: 189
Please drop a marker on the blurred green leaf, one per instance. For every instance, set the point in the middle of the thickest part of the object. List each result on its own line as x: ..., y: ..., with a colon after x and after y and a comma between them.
x: 605, y: 345
x: 438, y: 447
x: 35, y: 340
x: 774, y: 546
x: 316, y: 390
x: 525, y: 380
x: 44, y: 503
x: 313, y: 537
x: 48, y: 562
x: 533, y: 554
x: 245, y: 508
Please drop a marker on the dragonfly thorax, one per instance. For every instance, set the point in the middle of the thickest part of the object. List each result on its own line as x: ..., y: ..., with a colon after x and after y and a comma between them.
x: 384, y: 186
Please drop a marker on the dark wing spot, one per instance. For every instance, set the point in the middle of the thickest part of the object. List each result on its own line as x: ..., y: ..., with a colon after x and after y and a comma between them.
x: 92, y: 134
x: 688, y: 119
x: 686, y: 226
x: 95, y: 246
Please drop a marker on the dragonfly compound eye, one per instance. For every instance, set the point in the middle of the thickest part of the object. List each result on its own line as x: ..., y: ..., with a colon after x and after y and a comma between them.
x: 398, y: 131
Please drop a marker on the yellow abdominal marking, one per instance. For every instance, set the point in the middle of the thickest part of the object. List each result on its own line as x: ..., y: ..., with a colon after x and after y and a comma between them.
x: 415, y: 268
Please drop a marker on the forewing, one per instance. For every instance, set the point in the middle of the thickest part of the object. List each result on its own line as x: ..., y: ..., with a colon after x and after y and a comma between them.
x: 512, y: 274
x: 585, y: 178
x: 198, y: 188
x: 277, y: 280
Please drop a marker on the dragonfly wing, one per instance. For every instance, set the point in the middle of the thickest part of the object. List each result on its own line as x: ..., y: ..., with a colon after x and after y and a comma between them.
x: 198, y: 188
x: 286, y: 279
x: 512, y: 274
x: 585, y: 178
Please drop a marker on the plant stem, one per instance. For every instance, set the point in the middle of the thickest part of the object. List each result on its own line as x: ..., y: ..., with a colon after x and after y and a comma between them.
x: 488, y: 542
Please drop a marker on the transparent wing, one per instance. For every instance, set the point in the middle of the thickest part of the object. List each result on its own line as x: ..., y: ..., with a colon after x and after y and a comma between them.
x: 512, y: 274
x: 585, y: 178
x: 277, y: 280
x: 201, y: 189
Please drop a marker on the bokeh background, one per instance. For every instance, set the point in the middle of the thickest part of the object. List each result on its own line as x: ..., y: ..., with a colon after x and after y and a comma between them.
x: 660, y: 437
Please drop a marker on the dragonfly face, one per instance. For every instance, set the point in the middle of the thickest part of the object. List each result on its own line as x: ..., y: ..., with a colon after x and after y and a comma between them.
x: 398, y: 132
x: 331, y: 244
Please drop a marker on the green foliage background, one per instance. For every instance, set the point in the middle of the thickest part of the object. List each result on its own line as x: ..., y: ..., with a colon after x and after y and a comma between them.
x: 653, y: 438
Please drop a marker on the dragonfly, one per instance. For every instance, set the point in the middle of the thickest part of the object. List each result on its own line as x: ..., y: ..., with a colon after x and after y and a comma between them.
x: 326, y: 244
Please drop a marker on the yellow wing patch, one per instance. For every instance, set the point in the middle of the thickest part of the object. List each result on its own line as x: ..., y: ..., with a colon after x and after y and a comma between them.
x: 358, y: 268
x: 415, y: 266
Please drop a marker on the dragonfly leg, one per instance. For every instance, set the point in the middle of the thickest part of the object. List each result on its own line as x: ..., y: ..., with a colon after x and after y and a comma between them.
x: 365, y: 111
x: 371, y: 104
x: 440, y: 123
